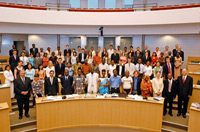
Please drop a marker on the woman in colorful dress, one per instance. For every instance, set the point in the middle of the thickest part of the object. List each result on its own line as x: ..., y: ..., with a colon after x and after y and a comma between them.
x: 103, y: 83
x: 146, y: 86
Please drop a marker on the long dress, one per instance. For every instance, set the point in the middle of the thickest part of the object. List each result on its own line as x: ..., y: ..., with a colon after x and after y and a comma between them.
x: 9, y: 81
x: 177, y: 67
x: 146, y: 88
x: 102, y: 89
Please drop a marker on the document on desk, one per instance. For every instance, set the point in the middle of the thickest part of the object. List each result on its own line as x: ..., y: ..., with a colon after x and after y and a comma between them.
x: 158, y: 98
x: 100, y: 96
x: 57, y: 98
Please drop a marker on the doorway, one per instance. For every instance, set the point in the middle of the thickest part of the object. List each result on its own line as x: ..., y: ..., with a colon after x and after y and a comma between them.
x: 19, y: 46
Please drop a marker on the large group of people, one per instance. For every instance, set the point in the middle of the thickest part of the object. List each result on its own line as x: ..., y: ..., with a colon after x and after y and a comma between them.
x: 103, y: 71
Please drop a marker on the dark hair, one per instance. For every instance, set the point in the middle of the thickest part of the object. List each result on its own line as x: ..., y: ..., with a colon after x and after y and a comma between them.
x: 103, y: 70
x: 29, y: 64
x: 7, y: 66
x: 51, y: 71
x: 39, y: 67
x: 36, y: 75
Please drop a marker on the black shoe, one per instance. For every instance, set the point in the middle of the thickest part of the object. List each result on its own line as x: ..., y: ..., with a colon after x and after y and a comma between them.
x: 27, y: 115
x: 178, y: 114
x: 184, y: 115
x: 164, y: 113
x: 20, y: 117
x: 170, y: 114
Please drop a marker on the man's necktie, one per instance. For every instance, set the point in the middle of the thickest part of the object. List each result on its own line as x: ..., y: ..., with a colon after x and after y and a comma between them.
x: 169, y: 68
x: 183, y: 79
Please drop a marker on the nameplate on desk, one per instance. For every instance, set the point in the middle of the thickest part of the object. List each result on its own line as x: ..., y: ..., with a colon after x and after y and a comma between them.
x: 47, y: 100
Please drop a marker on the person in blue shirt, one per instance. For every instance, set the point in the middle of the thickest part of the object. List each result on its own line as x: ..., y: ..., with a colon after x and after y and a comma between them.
x: 31, y: 60
x: 69, y: 68
x: 30, y: 72
x: 115, y: 82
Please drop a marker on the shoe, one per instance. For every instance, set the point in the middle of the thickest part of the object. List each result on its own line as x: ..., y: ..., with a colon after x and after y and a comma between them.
x: 27, y: 115
x: 184, y: 115
x: 20, y: 117
x: 164, y: 113
x: 178, y: 114
x: 170, y: 114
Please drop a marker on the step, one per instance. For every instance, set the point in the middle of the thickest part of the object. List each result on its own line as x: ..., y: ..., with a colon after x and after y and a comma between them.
x: 30, y: 128
x: 171, y: 129
x: 23, y: 124
x: 175, y: 125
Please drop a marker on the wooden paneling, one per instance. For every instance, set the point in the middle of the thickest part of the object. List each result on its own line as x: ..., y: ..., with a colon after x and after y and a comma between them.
x: 195, y: 77
x: 195, y: 96
x: 194, y: 120
x: 4, y: 118
x: 113, y: 112
x: 5, y: 95
x: 193, y: 67
x: 2, y: 78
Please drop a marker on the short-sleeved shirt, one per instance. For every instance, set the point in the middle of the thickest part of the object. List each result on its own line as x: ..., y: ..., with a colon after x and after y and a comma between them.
x: 127, y: 82
x: 86, y: 68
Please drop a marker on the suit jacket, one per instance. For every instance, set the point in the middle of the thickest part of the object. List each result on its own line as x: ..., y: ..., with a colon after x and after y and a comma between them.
x: 171, y: 59
x: 166, y: 70
x: 13, y: 62
x: 67, y: 51
x: 80, y: 56
x: 34, y: 53
x: 156, y: 87
x: 66, y: 85
x: 138, y: 84
x: 122, y: 71
x: 20, y: 86
x: 165, y: 92
x: 143, y: 52
x: 144, y: 59
x: 58, y: 70
x: 136, y: 58
x: 37, y: 62
x: 184, y: 89
x: 181, y: 54
x: 51, y: 89
x: 174, y: 52
x: 115, y: 57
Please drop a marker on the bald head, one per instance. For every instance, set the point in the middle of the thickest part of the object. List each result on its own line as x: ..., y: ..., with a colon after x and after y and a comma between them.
x: 184, y: 71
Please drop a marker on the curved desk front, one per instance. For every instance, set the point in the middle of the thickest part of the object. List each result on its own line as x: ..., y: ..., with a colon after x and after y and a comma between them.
x: 110, y: 112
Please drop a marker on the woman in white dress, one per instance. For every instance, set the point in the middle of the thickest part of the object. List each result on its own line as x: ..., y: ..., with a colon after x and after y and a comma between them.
x: 157, y: 85
x: 9, y: 79
x: 73, y: 58
x: 49, y: 68
x: 148, y: 69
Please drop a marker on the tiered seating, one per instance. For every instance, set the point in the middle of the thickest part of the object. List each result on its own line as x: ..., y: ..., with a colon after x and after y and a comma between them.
x: 13, y: 5
x: 101, y: 10
x: 169, y: 7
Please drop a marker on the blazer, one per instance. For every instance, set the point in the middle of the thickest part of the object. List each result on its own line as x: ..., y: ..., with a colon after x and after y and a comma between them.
x: 138, y: 85
x: 122, y: 71
x: 80, y: 56
x: 67, y: 51
x: 19, y: 87
x: 165, y: 92
x: 58, y: 70
x: 115, y: 57
x: 181, y: 54
x: 136, y: 58
x: 13, y: 62
x: 144, y: 59
x: 11, y: 52
x: 143, y: 52
x: 66, y: 85
x: 156, y: 87
x: 51, y: 89
x: 166, y: 70
x: 34, y: 53
x: 174, y: 52
x: 185, y: 89
x: 37, y: 62
x: 130, y: 68
x: 171, y: 59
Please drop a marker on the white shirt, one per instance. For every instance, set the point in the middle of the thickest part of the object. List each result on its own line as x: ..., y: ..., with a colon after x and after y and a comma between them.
x: 139, y: 67
x: 49, y: 69
x: 158, y: 54
x: 110, y: 52
x: 120, y: 69
x: 130, y: 67
x: 111, y: 68
x: 93, y: 53
x: 92, y: 80
x: 148, y: 70
x: 56, y: 52
x: 127, y: 82
x: 48, y: 53
x: 101, y: 67
x: 24, y: 59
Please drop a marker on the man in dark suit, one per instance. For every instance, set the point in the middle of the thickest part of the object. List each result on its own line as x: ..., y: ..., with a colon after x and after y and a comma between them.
x: 168, y: 67
x: 67, y: 50
x: 171, y: 57
x: 184, y: 88
x: 146, y: 50
x: 66, y: 82
x: 11, y: 51
x: 181, y: 53
x: 82, y: 56
x: 136, y: 83
x: 22, y: 87
x: 175, y: 50
x: 169, y: 93
x: 34, y: 50
x: 137, y: 56
x: 59, y: 68
x: 115, y: 56
x: 146, y: 58
x: 13, y: 60
x: 120, y: 69
x: 51, y: 85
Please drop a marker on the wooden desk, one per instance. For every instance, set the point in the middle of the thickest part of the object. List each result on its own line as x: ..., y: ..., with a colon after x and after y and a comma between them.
x: 192, y: 67
x: 5, y: 118
x: 195, y: 96
x: 113, y: 112
x: 195, y: 76
x: 5, y: 95
x: 2, y: 77
x: 194, y: 120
